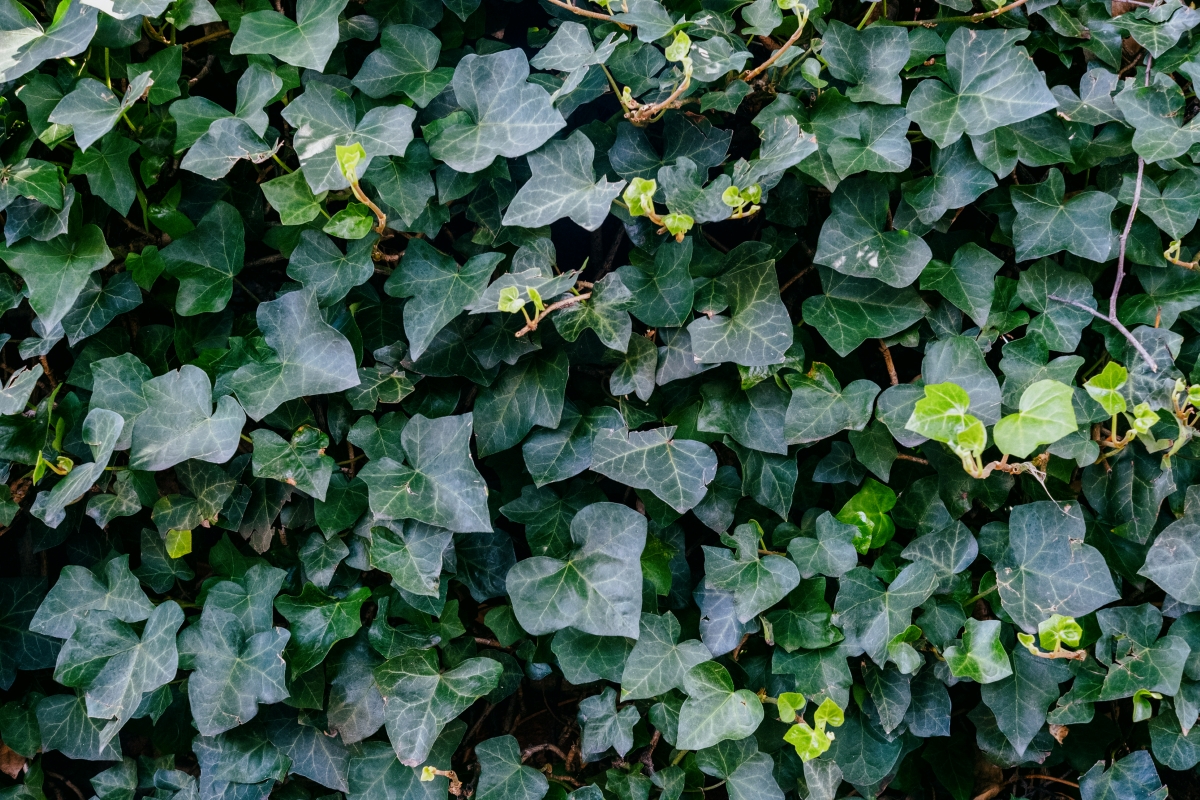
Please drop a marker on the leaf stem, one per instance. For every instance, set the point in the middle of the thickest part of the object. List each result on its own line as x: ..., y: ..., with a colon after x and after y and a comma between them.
x: 583, y: 12
x: 795, y: 37
x: 980, y: 17
x: 567, y: 301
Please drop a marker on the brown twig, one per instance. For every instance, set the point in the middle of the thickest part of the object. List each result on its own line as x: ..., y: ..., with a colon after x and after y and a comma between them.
x: 272, y: 259
x: 980, y: 17
x: 530, y: 752
x: 913, y: 459
x: 887, y: 360
x: 208, y: 37
x: 795, y: 37
x: 533, y: 323
x: 583, y: 12
x: 46, y: 370
x: 713, y: 241
x: 208, y: 62
x: 788, y: 283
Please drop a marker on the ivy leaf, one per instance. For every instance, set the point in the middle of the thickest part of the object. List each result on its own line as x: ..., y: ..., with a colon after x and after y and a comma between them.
x: 235, y: 671
x: 1021, y: 700
x: 65, y: 726
x: 820, y: 407
x: 831, y: 553
x: 107, y: 169
x: 69, y: 33
x: 438, y: 485
x: 856, y: 137
x: 375, y: 773
x: 311, y: 356
x: 563, y: 185
x: 440, y: 289
x: 509, y: 116
x: 79, y: 591
x: 852, y: 310
x: 296, y: 203
x: 194, y: 116
x: 675, y: 470
x: 597, y: 589
x: 1059, y: 324
x: 206, y: 260
x: 501, y: 774
x: 179, y: 422
x: 989, y: 83
x: 1048, y: 570
x: 406, y: 61
x: 714, y: 711
x: 319, y: 264
x: 958, y: 179
x: 92, y: 109
x: 1170, y: 207
x: 555, y: 454
x: 659, y: 662
x: 300, y: 462
x: 756, y: 583
x: 318, y: 621
x: 527, y: 394
x: 20, y: 646
x: 114, y: 667
x: 306, y: 42
x: 603, y: 727
x: 325, y: 118
x: 1133, y: 777
x: 758, y: 330
x: 662, y: 292
x: 854, y: 243
x: 1138, y: 659
x: 1045, y: 415
x: 980, y: 656
x: 872, y: 59
x: 412, y: 554
x: 1048, y: 224
x: 871, y: 615
x: 1158, y: 29
x: 754, y: 418
x: 55, y: 272
x: 1173, y: 561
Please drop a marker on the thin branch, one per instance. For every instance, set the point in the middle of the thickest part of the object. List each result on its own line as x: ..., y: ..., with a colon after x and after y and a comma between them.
x: 914, y: 459
x: 533, y: 323
x: 530, y: 752
x: 1115, y: 323
x: 788, y: 283
x: 208, y: 62
x: 887, y: 360
x: 583, y: 12
x: 795, y: 37
x: 208, y: 37
x: 980, y: 17
x: 272, y: 259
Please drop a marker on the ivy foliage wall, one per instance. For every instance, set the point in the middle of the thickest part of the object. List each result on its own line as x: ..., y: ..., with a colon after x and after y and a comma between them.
x: 628, y: 400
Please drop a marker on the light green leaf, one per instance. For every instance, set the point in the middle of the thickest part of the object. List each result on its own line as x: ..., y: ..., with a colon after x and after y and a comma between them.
x: 1045, y: 415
